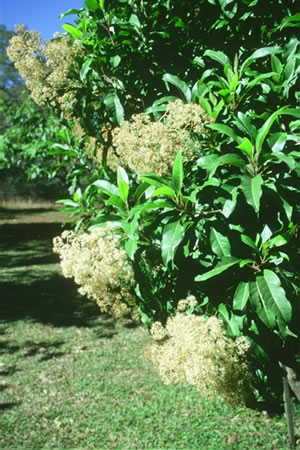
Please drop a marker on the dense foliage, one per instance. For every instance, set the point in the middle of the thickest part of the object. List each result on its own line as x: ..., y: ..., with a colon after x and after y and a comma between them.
x: 219, y: 220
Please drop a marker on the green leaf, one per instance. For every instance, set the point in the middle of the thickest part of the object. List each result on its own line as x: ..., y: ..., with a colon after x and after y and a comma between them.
x: 241, y: 296
x: 290, y: 21
x: 257, y: 80
x: 234, y: 82
x: 223, y: 265
x: 107, y: 187
x: 252, y: 189
x: 93, y: 5
x: 131, y: 247
x: 212, y: 162
x: 244, y: 124
x: 218, y: 56
x: 259, y: 304
x: 276, y: 64
x: 264, y: 130
x: 116, y: 60
x: 177, y: 173
x: 156, y: 180
x: 114, y: 107
x: 269, y: 300
x: 179, y: 84
x: 69, y: 12
x: 73, y: 31
x: 260, y: 53
x: 248, y: 241
x: 140, y: 191
x: 247, y: 147
x: 173, y: 234
x: 123, y: 183
x: 164, y: 191
x: 85, y: 68
x: 233, y: 323
x: 287, y: 159
x: 277, y: 141
x: 131, y: 227
x: 224, y: 129
x: 115, y: 200
x: 219, y: 243
x: 135, y: 22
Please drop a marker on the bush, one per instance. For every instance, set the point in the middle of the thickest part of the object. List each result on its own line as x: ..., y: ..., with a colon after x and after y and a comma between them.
x: 217, y: 216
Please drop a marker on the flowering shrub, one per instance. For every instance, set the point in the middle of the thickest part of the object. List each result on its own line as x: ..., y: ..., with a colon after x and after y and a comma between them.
x: 196, y: 349
x: 217, y: 217
x: 100, y: 267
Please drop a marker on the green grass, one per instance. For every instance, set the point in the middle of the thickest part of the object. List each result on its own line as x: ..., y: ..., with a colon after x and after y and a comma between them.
x: 73, y: 378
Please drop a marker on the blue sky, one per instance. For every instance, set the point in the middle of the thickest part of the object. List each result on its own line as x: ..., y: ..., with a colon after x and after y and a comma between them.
x: 39, y: 15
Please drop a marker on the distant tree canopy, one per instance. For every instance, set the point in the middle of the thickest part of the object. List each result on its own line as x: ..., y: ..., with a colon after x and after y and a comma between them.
x: 12, y: 88
x: 11, y: 84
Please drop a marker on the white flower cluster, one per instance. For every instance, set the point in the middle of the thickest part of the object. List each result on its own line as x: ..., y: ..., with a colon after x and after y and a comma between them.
x: 45, y: 66
x: 146, y: 146
x: 100, y: 267
x: 196, y: 350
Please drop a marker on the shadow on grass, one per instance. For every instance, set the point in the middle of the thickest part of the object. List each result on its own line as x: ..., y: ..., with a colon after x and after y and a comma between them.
x: 52, y: 301
x: 31, y: 285
x: 8, y: 405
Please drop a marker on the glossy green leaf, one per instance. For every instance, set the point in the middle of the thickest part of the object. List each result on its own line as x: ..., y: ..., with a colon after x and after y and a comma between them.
x: 276, y: 64
x: 116, y: 60
x: 164, y: 191
x: 260, y: 53
x: 218, y: 56
x: 264, y: 130
x: 131, y: 246
x: 123, y: 183
x: 69, y: 12
x: 248, y: 241
x: 140, y: 191
x: 257, y: 80
x: 233, y: 323
x: 225, y: 129
x: 156, y: 180
x: 73, y: 31
x: 106, y: 186
x: 223, y: 265
x: 173, y: 234
x: 277, y: 141
x: 220, y: 244
x: 177, y: 173
x: 272, y: 296
x: 115, y: 200
x: 287, y: 159
x: 179, y: 84
x: 252, y: 189
x: 241, y: 296
x: 114, y: 107
x: 93, y: 5
x: 244, y: 123
x: 135, y: 22
x: 85, y: 68
x: 291, y: 21
x: 259, y: 303
x: 230, y: 159
x: 247, y: 147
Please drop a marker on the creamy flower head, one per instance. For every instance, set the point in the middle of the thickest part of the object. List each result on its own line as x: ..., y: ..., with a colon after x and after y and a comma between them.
x: 146, y: 146
x: 45, y: 66
x: 196, y: 350
x: 100, y: 267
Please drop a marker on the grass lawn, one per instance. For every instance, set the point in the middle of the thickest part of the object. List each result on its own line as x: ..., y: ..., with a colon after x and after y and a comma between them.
x: 73, y: 378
